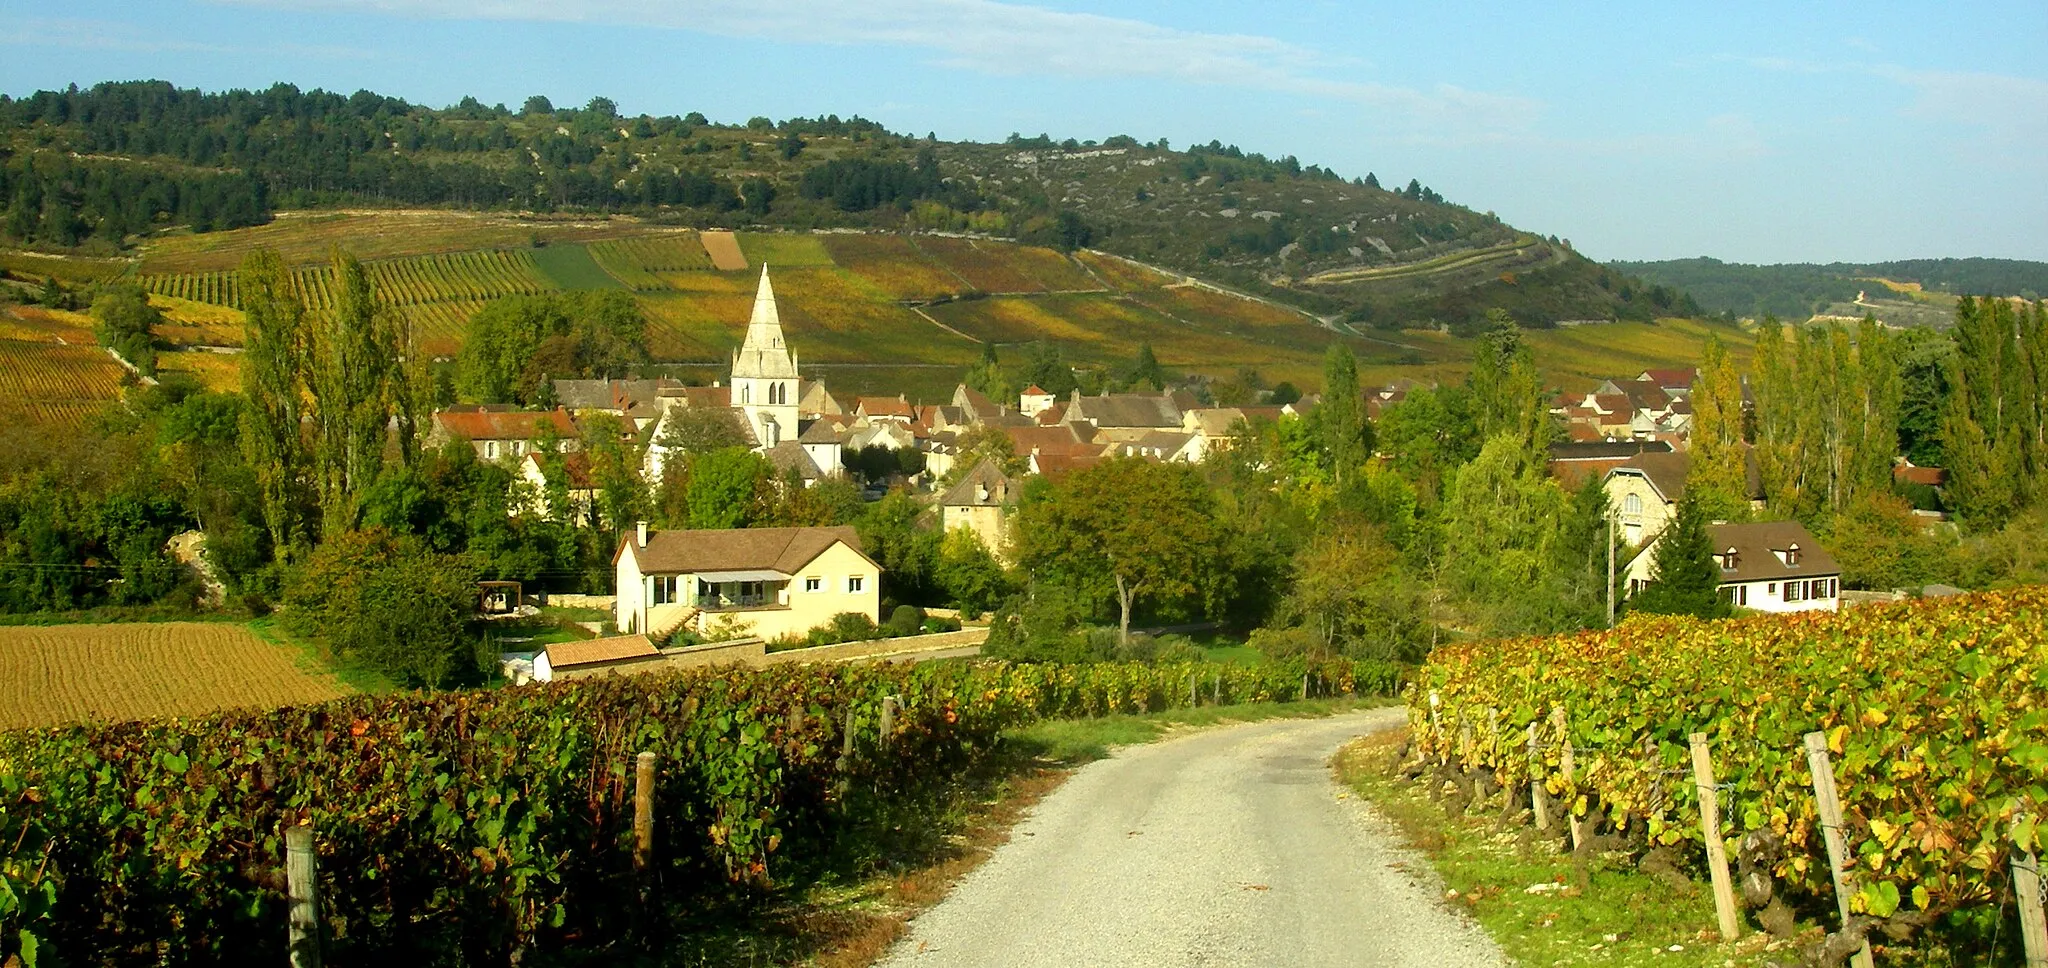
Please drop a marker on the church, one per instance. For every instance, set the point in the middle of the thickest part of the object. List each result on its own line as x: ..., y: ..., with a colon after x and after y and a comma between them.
x: 765, y: 384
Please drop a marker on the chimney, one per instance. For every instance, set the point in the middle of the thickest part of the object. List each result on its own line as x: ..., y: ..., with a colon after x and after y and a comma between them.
x: 643, y: 534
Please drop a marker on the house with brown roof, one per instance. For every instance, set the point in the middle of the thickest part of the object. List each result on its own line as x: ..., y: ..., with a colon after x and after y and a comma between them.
x: 872, y: 409
x: 498, y: 433
x: 769, y: 582
x: 1767, y: 566
x: 1125, y: 416
x: 1643, y: 492
x: 982, y: 502
x: 1572, y: 462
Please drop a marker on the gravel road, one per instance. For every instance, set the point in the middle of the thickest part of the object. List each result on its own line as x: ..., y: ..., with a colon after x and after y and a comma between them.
x: 1224, y: 847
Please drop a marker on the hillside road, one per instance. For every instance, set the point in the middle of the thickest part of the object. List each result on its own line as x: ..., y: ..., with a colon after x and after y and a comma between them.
x: 1224, y: 847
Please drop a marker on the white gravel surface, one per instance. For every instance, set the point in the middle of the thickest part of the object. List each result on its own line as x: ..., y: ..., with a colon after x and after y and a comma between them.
x: 1230, y: 846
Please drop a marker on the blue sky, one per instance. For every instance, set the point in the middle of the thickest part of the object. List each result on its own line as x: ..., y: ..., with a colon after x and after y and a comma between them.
x: 1746, y: 131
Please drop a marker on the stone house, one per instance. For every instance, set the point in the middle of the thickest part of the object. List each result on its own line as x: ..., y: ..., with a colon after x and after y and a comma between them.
x: 769, y: 582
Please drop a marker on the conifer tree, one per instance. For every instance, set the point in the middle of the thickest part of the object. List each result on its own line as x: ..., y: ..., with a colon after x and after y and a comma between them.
x: 1684, y: 579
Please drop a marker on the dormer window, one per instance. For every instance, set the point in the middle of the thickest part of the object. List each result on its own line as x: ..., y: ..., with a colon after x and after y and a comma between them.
x: 1729, y: 559
x: 980, y: 493
x: 1792, y: 554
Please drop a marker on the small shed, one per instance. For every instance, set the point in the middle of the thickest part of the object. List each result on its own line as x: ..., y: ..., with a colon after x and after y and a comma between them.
x: 500, y: 597
x: 592, y: 657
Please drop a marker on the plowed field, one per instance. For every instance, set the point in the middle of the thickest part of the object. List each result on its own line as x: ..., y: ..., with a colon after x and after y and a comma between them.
x: 108, y: 673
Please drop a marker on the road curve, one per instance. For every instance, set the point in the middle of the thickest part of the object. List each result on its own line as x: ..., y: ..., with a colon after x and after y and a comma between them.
x: 1225, y: 847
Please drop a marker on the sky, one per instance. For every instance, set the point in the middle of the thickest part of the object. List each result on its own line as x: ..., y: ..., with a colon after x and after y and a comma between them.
x: 1750, y: 132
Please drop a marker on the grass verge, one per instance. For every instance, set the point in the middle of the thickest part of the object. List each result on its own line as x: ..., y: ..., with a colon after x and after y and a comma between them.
x: 1532, y: 898
x: 353, y: 675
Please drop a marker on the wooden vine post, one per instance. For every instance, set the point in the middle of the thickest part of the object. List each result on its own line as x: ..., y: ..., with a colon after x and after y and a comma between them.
x: 643, y: 811
x: 1831, y: 830
x: 1710, y: 830
x: 1539, y: 794
x: 889, y: 706
x: 1566, y: 766
x: 1436, y: 727
x: 2026, y: 883
x: 303, y: 892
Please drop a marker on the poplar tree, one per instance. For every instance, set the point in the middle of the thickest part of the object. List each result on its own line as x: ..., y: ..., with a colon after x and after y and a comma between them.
x: 1717, y: 474
x: 1507, y: 392
x: 357, y: 383
x: 1992, y: 430
x: 1341, y: 416
x: 274, y: 356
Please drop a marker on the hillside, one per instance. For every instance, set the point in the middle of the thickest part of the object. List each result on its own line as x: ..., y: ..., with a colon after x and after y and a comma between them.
x: 1911, y: 292
x: 104, y: 169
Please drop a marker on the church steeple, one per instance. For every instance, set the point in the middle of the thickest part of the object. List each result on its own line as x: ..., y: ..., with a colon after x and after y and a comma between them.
x: 764, y: 354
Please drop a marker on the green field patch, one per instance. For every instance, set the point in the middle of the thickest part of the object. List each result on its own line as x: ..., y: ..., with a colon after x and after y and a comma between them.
x: 777, y: 249
x: 75, y: 269
x: 571, y: 267
x: 302, y: 238
x: 896, y: 269
x: 638, y: 263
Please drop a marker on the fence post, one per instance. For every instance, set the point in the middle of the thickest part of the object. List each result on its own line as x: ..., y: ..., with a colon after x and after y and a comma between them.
x: 1710, y: 829
x: 1566, y: 766
x: 1194, y: 690
x: 1436, y: 727
x: 2026, y: 882
x: 303, y: 891
x: 1304, y: 687
x: 1830, y: 803
x: 643, y: 810
x: 1217, y: 685
x: 1539, y: 795
x: 889, y: 706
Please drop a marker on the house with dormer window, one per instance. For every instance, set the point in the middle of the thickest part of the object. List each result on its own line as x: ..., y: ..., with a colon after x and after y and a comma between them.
x: 769, y: 582
x: 1766, y: 566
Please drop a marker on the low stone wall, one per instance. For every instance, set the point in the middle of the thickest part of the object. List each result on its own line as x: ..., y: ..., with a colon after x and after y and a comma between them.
x: 873, y: 648
x: 1850, y: 598
x: 747, y: 651
x: 606, y: 602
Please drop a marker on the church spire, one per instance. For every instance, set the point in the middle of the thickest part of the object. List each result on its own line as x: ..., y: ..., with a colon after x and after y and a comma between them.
x: 764, y: 354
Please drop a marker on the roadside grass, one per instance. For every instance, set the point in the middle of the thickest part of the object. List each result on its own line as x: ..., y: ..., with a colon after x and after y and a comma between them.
x: 355, y: 676
x: 1608, y: 914
x: 1075, y: 741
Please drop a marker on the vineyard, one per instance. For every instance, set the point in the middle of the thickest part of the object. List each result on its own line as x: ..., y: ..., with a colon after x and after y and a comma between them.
x: 1935, y: 711
x: 637, y: 262
x: 51, y: 383
x: 110, y: 673
x: 485, y: 826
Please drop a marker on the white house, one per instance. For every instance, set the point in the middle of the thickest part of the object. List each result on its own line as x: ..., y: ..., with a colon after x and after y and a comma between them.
x: 770, y: 582
x: 1767, y: 566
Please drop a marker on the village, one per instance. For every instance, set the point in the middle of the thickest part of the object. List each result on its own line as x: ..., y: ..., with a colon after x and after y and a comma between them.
x: 745, y: 586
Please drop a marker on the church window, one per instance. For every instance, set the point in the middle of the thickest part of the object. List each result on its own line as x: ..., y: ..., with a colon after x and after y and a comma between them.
x: 746, y: 394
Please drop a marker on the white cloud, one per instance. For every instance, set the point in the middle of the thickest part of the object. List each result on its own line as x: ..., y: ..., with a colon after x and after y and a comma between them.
x: 2012, y: 111
x: 1000, y: 38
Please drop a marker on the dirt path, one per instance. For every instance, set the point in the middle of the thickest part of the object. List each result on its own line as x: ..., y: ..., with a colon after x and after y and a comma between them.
x: 1226, y: 847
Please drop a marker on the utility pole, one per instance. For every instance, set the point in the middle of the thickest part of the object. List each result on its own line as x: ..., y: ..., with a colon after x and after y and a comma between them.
x: 1610, y: 568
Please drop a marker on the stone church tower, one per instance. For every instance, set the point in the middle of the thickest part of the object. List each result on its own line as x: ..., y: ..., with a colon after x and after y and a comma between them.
x: 764, y: 378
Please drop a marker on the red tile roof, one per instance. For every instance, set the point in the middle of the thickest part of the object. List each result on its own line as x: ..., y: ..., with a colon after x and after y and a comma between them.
x: 499, y: 425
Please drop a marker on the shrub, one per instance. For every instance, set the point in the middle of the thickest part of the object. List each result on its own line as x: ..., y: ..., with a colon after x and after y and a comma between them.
x: 905, y: 620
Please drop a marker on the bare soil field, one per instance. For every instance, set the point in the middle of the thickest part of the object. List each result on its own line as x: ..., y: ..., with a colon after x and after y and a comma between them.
x: 724, y: 250
x: 109, y: 673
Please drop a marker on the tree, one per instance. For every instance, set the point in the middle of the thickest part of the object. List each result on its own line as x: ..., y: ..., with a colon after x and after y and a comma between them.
x: 986, y: 377
x: 1350, y: 595
x: 385, y: 600
x: 276, y: 350
x: 1146, y: 369
x: 1341, y: 417
x: 1993, y: 429
x: 1685, y: 578
x: 728, y: 488
x: 969, y: 573
x: 1716, y: 474
x: 1507, y: 394
x: 356, y: 381
x: 537, y: 104
x: 988, y: 442
x: 125, y: 322
x: 1882, y: 546
x: 1126, y: 530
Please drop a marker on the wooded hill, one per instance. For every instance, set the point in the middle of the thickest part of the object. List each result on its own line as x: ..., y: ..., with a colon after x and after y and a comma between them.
x: 99, y: 168
x: 1905, y: 292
